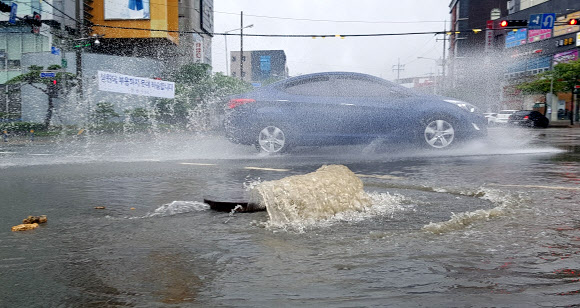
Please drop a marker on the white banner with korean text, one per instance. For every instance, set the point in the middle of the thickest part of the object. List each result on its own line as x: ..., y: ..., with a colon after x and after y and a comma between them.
x: 113, y: 82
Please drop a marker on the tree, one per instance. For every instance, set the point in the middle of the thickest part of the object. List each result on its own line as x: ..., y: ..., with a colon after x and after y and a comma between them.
x: 50, y: 86
x: 196, y: 91
x: 562, y: 78
x: 104, y: 112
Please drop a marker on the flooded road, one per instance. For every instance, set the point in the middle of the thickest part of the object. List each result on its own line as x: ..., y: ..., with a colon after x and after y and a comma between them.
x: 493, y: 223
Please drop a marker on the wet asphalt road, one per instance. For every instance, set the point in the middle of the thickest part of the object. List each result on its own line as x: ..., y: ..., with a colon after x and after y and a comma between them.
x: 156, y: 244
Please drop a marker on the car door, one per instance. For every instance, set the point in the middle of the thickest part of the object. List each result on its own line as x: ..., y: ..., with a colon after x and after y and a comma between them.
x: 312, y: 108
x: 371, y: 108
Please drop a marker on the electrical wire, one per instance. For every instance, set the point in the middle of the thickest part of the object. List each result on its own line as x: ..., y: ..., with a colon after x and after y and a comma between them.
x: 65, y: 14
x: 331, y: 20
x: 281, y: 35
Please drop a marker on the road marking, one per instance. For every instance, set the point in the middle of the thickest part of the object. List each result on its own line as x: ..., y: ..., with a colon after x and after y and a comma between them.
x: 41, y: 154
x: 375, y: 176
x: 267, y: 169
x: 197, y: 164
x: 537, y: 186
x: 6, y: 152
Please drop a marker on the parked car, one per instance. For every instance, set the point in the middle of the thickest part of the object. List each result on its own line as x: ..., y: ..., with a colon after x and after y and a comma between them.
x: 491, y: 117
x: 337, y: 108
x: 528, y: 118
x: 503, y: 116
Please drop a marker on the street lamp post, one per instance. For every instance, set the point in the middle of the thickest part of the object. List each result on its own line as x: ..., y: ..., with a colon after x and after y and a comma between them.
x: 226, y: 43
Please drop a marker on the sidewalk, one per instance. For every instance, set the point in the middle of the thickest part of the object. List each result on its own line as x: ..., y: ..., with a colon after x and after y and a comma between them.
x: 564, y: 123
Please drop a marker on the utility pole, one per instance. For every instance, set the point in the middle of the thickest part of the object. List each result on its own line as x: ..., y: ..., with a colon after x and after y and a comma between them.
x: 227, y: 56
x: 242, y: 45
x: 399, y: 67
x: 79, y: 59
x: 443, y: 61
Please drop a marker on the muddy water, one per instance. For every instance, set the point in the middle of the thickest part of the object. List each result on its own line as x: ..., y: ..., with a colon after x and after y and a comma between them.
x: 492, y: 224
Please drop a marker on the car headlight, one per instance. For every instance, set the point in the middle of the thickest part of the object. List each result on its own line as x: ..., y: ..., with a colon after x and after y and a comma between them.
x: 467, y: 106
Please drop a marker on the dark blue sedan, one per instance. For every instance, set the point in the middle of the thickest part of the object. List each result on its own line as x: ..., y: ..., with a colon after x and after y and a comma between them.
x: 338, y: 108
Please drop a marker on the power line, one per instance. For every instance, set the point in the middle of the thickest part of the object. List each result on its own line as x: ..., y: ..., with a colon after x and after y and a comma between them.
x: 300, y: 19
x: 65, y: 14
x: 281, y: 35
x: 39, y: 9
x: 331, y: 20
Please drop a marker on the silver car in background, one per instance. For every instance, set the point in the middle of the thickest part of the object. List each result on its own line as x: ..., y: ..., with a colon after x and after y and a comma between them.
x: 503, y: 116
x: 491, y: 117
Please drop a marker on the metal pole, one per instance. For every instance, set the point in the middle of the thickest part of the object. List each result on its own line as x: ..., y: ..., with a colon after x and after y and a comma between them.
x: 551, y: 99
x: 6, y: 85
x: 79, y: 59
x: 443, y: 59
x: 227, y: 57
x: 242, y: 45
x: 398, y: 70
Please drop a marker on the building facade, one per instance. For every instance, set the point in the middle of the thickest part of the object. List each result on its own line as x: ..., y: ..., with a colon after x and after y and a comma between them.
x: 471, y: 72
x: 259, y: 65
x: 530, y: 51
x: 168, y: 33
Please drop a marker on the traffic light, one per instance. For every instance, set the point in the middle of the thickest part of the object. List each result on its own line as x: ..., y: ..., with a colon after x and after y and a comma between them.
x: 573, y: 22
x: 52, y: 88
x: 513, y: 23
x: 35, y: 21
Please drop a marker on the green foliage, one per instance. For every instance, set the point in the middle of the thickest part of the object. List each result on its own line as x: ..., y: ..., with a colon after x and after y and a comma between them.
x: 138, y: 115
x: 226, y: 85
x: 21, y: 127
x: 9, y: 115
x: 103, y: 114
x: 33, y: 78
x: 196, y: 89
x: 564, y: 77
x: 192, y: 73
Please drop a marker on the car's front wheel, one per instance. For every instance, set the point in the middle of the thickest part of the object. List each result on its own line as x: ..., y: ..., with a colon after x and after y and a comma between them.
x: 272, y: 139
x: 438, y: 133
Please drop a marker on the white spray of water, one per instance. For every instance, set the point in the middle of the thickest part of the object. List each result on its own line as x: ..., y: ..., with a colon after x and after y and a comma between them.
x: 313, y: 196
x: 507, y: 203
x: 178, y: 207
x: 332, y: 193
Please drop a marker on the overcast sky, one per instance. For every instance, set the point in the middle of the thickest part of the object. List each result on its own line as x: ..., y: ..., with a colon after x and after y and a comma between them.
x: 374, y: 55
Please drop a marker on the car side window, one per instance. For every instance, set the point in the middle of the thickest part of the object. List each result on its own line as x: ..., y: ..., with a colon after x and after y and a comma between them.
x: 360, y: 87
x: 315, y: 86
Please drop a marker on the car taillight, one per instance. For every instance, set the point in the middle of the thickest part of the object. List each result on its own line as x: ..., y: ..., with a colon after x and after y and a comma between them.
x: 233, y: 103
x: 526, y: 117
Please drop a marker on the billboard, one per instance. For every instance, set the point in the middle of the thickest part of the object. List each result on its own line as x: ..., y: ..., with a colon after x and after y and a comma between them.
x: 565, y: 56
x: 538, y: 35
x: 563, y: 28
x: 119, y: 83
x: 127, y: 9
x: 516, y: 38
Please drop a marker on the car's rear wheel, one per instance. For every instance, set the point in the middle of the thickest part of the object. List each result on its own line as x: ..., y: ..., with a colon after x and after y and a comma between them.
x: 272, y: 139
x: 439, y: 133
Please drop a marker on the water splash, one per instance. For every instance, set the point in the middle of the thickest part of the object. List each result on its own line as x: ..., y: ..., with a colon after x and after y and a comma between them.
x: 178, y: 207
x: 330, y: 194
x: 506, y: 204
x: 310, y: 197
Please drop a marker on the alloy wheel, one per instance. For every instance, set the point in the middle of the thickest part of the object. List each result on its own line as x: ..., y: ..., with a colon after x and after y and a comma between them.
x: 272, y: 140
x: 439, y: 134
